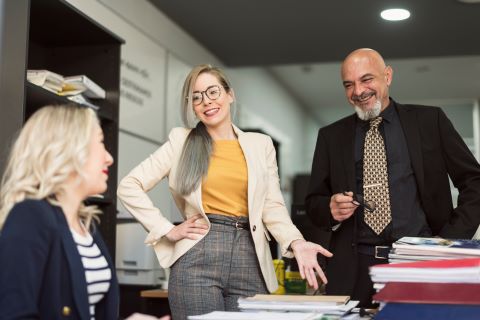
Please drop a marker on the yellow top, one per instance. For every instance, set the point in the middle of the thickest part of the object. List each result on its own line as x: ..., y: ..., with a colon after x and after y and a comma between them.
x: 225, y: 188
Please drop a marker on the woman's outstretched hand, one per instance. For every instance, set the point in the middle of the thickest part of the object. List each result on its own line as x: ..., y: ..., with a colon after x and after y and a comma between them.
x: 141, y: 316
x: 189, y: 229
x: 306, y: 254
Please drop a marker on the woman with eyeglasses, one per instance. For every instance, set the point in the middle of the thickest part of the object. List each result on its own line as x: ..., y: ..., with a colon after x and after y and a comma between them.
x: 225, y: 183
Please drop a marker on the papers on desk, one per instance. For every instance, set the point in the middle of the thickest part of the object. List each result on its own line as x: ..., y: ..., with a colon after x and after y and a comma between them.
x: 285, y: 307
x: 222, y: 315
x: 336, y: 305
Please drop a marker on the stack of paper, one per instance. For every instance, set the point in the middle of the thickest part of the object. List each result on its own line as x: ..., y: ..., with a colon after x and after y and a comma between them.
x: 298, y: 303
x: 420, y: 249
x: 222, y: 315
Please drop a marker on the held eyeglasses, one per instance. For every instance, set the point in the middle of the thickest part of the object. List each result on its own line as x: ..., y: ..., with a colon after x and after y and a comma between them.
x: 358, y: 200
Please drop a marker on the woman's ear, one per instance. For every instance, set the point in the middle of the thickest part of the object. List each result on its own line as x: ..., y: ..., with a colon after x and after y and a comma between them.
x: 231, y: 93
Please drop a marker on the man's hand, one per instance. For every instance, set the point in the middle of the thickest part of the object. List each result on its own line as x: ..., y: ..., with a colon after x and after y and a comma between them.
x: 341, y: 206
x: 306, y: 254
x: 190, y: 229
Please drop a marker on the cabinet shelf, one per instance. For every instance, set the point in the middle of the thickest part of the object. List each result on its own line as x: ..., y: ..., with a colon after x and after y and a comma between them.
x: 54, y: 35
x: 38, y: 97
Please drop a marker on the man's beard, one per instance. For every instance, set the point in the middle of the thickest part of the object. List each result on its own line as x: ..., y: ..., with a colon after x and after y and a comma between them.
x: 371, y: 113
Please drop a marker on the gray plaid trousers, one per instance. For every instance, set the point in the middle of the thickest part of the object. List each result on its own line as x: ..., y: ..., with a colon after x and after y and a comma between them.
x: 214, y: 273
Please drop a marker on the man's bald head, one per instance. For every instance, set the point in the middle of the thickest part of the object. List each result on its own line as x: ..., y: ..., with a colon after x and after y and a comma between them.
x: 373, y: 57
x: 366, y: 80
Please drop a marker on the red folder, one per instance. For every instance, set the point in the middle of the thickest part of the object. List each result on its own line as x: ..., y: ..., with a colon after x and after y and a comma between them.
x: 451, y: 263
x: 432, y: 293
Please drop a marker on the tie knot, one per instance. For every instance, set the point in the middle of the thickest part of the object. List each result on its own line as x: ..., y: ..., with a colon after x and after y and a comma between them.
x: 374, y: 123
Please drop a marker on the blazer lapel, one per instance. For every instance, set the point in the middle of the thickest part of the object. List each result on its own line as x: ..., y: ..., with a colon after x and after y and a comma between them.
x: 77, y: 273
x: 347, y: 140
x: 410, y: 127
x: 250, y: 160
x: 197, y: 194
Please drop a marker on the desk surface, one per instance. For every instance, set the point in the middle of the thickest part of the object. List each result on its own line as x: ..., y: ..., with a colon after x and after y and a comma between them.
x: 155, y: 293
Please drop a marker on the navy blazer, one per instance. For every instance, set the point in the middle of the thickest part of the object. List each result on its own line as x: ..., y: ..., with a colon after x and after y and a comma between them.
x: 436, y: 151
x: 41, y: 272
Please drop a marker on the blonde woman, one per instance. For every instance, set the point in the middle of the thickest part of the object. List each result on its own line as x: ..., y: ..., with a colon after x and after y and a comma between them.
x: 225, y: 183
x: 54, y: 264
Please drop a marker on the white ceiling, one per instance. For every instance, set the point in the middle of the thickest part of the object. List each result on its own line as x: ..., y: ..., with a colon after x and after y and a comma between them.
x: 434, y: 54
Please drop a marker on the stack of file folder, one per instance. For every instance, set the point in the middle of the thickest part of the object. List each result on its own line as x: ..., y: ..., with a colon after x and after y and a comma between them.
x: 436, y: 301
x: 443, y: 289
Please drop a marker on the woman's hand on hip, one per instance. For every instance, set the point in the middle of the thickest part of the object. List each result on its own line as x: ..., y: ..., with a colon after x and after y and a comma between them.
x: 306, y: 254
x: 188, y: 229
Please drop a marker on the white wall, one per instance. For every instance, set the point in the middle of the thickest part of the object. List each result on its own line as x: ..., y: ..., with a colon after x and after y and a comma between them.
x: 156, y: 58
x: 263, y: 101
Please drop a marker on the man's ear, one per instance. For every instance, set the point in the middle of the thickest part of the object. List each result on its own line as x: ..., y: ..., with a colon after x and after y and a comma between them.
x: 388, y: 75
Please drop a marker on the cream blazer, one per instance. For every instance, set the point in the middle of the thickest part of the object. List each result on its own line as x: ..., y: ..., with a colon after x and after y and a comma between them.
x: 266, y: 207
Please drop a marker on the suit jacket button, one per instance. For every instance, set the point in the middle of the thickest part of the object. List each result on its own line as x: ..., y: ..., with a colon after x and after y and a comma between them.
x: 254, y: 228
x: 66, y: 311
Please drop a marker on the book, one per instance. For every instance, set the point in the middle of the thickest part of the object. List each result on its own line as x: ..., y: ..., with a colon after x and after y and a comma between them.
x: 299, y: 303
x: 39, y: 77
x: 437, y: 246
x: 433, y: 293
x: 419, y: 311
x: 92, y: 90
x: 80, y: 99
x: 300, y: 298
x: 465, y: 270
x: 221, y: 315
x: 394, y: 257
x: 46, y: 79
x: 71, y: 89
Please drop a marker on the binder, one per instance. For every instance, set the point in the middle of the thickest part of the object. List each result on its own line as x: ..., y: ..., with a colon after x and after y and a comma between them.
x: 451, y: 271
x: 431, y: 293
x: 417, y: 311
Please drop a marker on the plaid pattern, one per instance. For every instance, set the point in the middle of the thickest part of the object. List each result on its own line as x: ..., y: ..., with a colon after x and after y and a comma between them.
x: 375, y: 179
x: 213, y: 274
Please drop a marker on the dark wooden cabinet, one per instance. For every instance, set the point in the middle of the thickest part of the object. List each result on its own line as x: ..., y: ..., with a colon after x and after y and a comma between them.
x: 54, y: 35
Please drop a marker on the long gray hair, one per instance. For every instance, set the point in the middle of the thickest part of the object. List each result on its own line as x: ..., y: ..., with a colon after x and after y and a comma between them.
x: 195, y: 157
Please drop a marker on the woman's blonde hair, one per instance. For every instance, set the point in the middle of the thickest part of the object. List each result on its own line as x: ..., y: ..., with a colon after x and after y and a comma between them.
x: 195, y: 158
x: 52, y: 145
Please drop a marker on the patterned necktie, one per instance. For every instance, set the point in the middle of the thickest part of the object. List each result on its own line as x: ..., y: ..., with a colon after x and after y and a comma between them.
x: 375, y: 178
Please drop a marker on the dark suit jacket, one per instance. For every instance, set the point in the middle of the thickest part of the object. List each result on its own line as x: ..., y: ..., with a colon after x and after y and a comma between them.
x: 436, y: 152
x: 41, y: 271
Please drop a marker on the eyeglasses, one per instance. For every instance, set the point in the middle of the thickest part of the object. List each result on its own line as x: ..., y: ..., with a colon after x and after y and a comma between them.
x: 212, y: 93
x: 358, y: 200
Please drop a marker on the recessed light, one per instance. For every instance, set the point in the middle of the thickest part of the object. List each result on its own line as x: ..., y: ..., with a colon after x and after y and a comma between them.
x: 395, y: 14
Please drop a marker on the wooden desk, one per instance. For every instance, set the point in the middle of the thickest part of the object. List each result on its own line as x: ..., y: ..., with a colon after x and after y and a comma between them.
x: 155, y: 301
x: 155, y: 293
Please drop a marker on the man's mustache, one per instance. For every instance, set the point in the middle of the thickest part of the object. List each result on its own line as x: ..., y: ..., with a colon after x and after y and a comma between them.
x: 363, y: 96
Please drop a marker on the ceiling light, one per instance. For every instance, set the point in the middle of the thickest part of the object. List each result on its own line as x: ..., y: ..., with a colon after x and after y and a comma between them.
x: 469, y: 1
x: 395, y: 14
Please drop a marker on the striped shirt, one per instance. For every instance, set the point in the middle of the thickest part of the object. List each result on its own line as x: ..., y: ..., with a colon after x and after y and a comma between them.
x: 97, y: 272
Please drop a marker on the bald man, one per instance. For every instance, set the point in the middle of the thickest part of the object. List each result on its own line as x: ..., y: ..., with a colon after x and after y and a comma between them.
x: 420, y: 149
